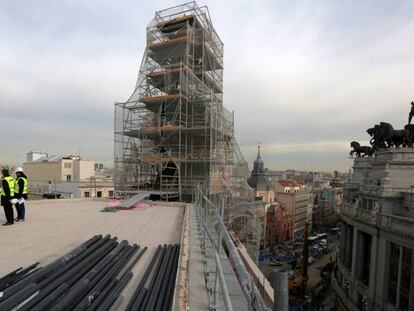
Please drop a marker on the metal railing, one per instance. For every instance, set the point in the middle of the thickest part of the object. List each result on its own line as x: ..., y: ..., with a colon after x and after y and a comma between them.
x: 207, y: 210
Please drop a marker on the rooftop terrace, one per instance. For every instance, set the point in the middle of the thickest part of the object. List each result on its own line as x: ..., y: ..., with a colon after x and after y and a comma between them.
x: 55, y: 227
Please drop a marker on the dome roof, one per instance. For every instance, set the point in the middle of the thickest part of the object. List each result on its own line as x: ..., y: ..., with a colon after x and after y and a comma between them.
x: 258, y: 180
x: 258, y: 164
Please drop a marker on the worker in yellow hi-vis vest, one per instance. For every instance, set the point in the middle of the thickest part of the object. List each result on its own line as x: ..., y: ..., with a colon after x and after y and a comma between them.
x: 7, y: 194
x: 20, y: 193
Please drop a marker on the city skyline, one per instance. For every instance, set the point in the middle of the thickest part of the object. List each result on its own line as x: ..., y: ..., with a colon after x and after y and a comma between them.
x: 304, y: 79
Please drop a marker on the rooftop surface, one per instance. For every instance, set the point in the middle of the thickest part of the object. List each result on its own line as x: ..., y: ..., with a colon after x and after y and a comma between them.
x: 55, y: 227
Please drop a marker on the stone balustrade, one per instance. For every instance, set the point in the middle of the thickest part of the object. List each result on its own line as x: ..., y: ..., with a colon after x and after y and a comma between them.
x: 393, y: 223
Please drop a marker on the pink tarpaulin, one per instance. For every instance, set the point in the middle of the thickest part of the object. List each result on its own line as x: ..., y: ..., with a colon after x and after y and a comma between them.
x: 115, y: 204
x: 142, y: 205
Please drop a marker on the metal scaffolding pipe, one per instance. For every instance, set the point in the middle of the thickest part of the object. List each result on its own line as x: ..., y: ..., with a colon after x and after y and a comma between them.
x: 47, y: 270
x: 67, y: 272
x: 280, y: 290
x: 100, y: 267
x: 77, y: 289
x: 154, y: 289
x: 170, y: 282
x: 132, y: 305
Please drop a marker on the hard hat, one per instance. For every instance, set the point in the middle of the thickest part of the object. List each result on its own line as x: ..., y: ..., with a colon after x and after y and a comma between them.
x: 18, y: 169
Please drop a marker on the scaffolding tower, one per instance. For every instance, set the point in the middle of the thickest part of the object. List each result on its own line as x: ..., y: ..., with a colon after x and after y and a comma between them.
x: 173, y: 133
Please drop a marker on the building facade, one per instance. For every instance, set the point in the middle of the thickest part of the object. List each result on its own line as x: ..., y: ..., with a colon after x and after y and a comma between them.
x: 375, y: 268
x: 325, y: 205
x: 66, y: 177
x: 298, y: 202
x: 279, y: 225
x: 35, y: 155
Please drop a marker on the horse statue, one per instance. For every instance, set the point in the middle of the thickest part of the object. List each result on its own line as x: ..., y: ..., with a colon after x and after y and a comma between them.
x: 384, y: 136
x: 377, y: 139
x: 360, y: 151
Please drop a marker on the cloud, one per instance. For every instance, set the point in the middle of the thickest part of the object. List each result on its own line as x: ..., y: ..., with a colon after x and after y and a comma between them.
x: 314, y: 156
x: 303, y: 77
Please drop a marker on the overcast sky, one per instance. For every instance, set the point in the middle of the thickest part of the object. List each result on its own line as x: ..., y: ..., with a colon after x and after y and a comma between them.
x: 303, y: 77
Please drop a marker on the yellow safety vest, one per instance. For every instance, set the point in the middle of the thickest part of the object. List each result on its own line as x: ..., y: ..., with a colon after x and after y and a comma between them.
x: 10, y: 181
x: 17, y: 188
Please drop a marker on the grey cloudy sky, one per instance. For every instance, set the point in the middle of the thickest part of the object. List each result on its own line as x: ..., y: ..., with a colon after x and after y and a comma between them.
x: 304, y: 77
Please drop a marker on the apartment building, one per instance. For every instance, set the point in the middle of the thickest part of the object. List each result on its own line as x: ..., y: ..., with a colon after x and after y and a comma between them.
x: 66, y: 177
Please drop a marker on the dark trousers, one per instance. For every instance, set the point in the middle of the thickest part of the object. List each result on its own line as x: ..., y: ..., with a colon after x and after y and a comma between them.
x: 20, y: 210
x: 8, y: 211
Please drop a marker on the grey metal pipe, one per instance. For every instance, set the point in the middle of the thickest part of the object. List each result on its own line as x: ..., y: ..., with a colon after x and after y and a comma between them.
x: 220, y: 273
x: 220, y: 239
x: 226, y: 295
x: 280, y: 290
x: 245, y: 279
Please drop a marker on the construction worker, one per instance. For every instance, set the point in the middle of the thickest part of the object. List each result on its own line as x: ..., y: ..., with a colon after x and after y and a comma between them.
x: 7, y: 194
x: 20, y: 193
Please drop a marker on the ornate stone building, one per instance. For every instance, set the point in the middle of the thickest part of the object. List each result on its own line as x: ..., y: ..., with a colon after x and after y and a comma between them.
x: 259, y: 182
x: 375, y: 268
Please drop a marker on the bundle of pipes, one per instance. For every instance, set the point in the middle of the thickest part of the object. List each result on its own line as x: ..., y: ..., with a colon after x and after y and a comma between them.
x: 16, y: 275
x: 155, y: 290
x: 91, y: 277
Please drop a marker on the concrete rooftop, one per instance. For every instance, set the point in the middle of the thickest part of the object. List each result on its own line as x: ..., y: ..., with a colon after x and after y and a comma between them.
x: 54, y: 227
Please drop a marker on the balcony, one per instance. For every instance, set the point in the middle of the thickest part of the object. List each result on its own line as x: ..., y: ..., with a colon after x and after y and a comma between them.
x: 352, y: 186
x: 392, y: 223
x: 358, y: 214
x: 397, y: 224
x: 344, y: 300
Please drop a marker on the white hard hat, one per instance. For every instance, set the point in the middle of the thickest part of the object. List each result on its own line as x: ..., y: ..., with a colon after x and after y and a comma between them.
x: 18, y: 169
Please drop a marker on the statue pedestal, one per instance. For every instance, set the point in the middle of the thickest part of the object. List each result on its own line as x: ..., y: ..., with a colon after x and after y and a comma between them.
x: 361, y: 165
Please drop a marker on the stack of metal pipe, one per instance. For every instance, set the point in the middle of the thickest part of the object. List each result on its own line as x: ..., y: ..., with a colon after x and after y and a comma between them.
x: 90, y: 277
x: 156, y: 287
x: 16, y: 275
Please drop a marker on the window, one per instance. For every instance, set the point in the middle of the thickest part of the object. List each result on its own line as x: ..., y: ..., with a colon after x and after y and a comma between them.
x: 99, y: 194
x: 86, y: 194
x: 346, y: 246
x: 68, y: 165
x: 110, y: 193
x: 405, y: 278
x: 68, y: 177
x: 399, y: 255
x: 369, y: 204
x: 393, y: 273
x: 364, y: 257
x: 364, y: 203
